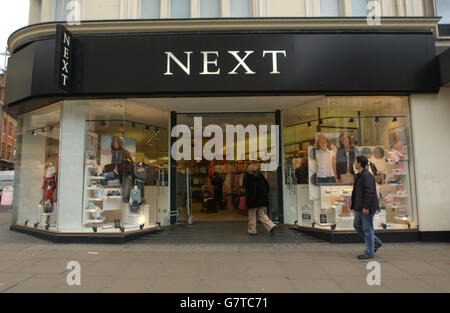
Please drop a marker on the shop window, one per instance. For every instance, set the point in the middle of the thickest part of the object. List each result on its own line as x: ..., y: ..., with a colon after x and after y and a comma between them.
x: 443, y: 9
x: 321, y: 142
x: 36, y: 170
x: 359, y: 7
x: 180, y: 8
x: 330, y: 8
x: 150, y: 9
x: 126, y: 166
x: 240, y: 8
x: 209, y: 8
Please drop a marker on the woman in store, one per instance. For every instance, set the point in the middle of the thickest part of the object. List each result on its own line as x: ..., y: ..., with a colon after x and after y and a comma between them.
x: 257, y: 194
x: 326, y: 161
x: 345, y: 158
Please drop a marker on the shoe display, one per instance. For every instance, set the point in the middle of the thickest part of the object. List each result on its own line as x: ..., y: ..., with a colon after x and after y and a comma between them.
x: 91, y: 207
x: 401, y: 192
x: 100, y: 193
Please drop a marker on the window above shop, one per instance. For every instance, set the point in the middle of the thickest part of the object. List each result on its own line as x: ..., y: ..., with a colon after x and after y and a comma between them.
x: 150, y: 9
x: 443, y: 9
x: 59, y: 10
x: 180, y: 8
x: 209, y: 8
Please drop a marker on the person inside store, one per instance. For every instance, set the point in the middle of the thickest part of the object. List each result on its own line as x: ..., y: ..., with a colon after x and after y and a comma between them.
x: 326, y: 161
x: 301, y: 172
x: 345, y: 158
x: 364, y: 204
x: 257, y: 194
x: 121, y: 167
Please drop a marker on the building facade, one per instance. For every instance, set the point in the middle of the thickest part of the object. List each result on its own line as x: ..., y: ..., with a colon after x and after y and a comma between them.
x: 8, y: 132
x: 97, y: 101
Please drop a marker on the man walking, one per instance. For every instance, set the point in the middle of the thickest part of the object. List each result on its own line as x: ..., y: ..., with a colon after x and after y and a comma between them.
x: 364, y: 204
x: 257, y: 194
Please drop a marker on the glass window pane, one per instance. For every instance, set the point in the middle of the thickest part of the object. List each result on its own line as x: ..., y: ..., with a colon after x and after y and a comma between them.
x: 443, y: 9
x: 180, y: 8
x: 61, y: 9
x: 209, y: 8
x: 150, y: 8
x: 36, y: 169
x: 239, y: 8
x: 329, y: 8
x: 359, y: 7
x: 323, y: 139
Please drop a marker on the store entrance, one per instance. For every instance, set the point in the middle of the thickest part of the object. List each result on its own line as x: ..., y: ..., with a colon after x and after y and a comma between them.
x: 213, y: 190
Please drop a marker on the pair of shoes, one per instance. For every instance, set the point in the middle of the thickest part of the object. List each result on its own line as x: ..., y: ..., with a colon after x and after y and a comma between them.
x: 376, y: 248
x: 364, y: 257
x: 273, y: 230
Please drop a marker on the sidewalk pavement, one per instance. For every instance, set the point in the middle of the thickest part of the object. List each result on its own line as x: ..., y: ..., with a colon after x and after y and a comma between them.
x: 31, y: 265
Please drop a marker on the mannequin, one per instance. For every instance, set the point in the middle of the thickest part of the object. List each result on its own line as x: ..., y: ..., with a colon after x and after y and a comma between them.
x: 48, y: 188
x: 141, y: 173
x: 135, y: 200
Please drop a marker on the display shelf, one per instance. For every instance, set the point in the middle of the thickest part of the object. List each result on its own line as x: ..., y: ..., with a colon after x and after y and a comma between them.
x: 96, y: 177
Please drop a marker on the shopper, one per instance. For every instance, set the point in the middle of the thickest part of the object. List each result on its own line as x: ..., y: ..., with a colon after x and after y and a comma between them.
x: 364, y: 204
x: 257, y: 193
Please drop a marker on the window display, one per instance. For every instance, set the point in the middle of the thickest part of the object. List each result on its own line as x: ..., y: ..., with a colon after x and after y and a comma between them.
x: 36, y: 171
x: 118, y: 180
x: 345, y: 127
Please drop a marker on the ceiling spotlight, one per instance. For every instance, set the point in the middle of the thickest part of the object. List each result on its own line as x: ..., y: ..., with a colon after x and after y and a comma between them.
x: 377, y: 119
x: 394, y: 119
x: 147, y: 128
x: 33, y: 133
x: 351, y: 120
x: 309, y: 124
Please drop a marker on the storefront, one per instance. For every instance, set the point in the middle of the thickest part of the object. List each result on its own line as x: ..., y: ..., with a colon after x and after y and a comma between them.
x: 97, y: 113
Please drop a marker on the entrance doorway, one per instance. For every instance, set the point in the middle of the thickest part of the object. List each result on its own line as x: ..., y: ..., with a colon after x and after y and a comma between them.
x: 213, y: 190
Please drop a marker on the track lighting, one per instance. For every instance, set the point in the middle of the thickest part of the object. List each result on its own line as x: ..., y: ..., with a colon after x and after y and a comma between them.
x: 351, y: 120
x: 394, y: 119
x: 309, y: 124
x: 133, y: 124
x: 103, y: 123
x: 320, y: 121
x: 33, y: 133
x: 377, y: 119
x: 147, y: 128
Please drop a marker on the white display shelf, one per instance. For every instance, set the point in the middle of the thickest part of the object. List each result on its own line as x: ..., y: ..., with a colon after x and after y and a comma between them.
x: 95, y: 221
x: 96, y: 177
x: 96, y: 199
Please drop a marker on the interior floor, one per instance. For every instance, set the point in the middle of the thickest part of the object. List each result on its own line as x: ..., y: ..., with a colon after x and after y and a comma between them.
x: 220, y: 215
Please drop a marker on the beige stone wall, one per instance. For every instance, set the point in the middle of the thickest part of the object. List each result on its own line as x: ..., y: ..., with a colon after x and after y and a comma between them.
x: 43, y: 11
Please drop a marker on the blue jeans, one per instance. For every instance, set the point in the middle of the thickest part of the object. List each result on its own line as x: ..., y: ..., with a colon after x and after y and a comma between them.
x: 363, y: 225
x: 326, y: 180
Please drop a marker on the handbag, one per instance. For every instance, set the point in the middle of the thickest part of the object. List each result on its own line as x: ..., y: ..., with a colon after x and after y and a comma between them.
x: 242, y: 203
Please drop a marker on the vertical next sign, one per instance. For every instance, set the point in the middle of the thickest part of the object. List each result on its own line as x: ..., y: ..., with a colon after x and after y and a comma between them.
x: 64, y: 56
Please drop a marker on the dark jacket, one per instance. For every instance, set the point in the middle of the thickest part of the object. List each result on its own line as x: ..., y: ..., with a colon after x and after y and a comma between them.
x: 364, y: 195
x: 256, y: 190
x: 125, y: 164
x: 341, y: 161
